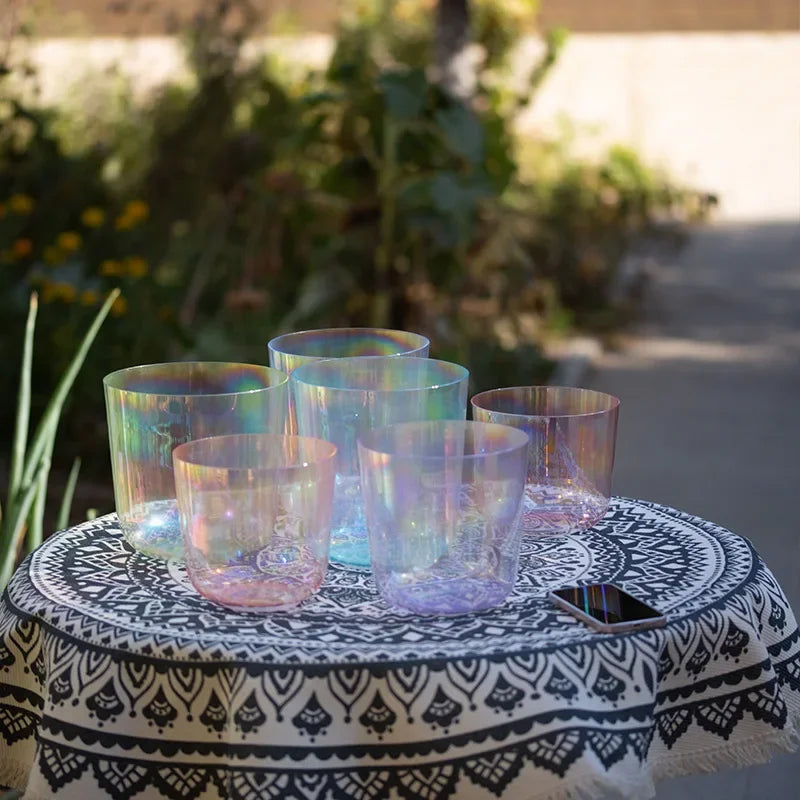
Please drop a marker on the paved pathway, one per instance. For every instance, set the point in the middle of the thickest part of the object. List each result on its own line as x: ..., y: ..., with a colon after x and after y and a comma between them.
x: 710, y: 418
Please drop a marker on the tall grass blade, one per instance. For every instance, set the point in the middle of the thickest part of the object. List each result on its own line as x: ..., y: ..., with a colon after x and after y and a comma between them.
x: 38, y: 456
x: 23, y: 404
x: 9, y: 541
x: 69, y: 492
x: 53, y: 411
x: 35, y: 534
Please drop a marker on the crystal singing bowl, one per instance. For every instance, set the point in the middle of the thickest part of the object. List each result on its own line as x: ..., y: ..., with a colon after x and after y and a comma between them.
x: 291, y: 350
x: 339, y: 399
x: 255, y: 512
x: 442, y: 503
x: 571, y: 456
x: 152, y: 409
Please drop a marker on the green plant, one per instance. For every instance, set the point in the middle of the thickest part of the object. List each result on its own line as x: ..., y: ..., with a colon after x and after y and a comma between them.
x: 590, y: 215
x: 21, y: 526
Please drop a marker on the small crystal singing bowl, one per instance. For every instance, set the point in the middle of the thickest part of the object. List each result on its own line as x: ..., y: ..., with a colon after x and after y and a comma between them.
x: 151, y: 409
x: 255, y: 514
x: 571, y: 455
x: 442, y: 502
x: 338, y: 399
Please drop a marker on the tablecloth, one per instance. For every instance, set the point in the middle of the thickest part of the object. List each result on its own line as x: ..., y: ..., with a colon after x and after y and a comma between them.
x: 117, y: 679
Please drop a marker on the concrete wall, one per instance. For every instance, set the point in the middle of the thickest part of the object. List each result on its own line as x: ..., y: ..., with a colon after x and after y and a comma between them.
x: 720, y: 111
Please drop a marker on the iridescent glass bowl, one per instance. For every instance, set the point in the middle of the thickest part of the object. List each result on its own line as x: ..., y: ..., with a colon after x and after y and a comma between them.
x: 443, y: 502
x: 339, y: 399
x: 255, y: 512
x: 571, y: 456
x: 152, y: 409
x: 291, y: 350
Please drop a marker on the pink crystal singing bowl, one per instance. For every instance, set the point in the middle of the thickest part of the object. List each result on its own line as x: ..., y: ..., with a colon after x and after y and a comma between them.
x: 255, y: 514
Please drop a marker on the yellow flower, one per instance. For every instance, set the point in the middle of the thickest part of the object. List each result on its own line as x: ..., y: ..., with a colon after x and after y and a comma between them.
x: 119, y: 306
x: 124, y: 222
x: 67, y: 292
x: 110, y: 267
x: 20, y: 203
x: 69, y: 241
x: 134, y: 212
x: 52, y: 255
x: 137, y: 210
x: 93, y: 217
x: 89, y: 297
x: 136, y: 267
x: 22, y: 248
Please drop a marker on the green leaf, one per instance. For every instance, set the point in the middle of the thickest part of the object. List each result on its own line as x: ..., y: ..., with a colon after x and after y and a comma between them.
x: 446, y: 193
x: 23, y: 404
x: 455, y: 194
x: 462, y: 131
x: 11, y: 533
x: 404, y: 92
x: 69, y: 492
x: 35, y: 532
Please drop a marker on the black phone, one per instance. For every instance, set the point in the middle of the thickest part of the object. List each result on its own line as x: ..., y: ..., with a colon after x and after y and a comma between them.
x: 607, y: 608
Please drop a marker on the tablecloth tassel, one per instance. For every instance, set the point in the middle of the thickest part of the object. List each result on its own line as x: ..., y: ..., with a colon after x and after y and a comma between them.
x: 593, y: 786
x: 752, y: 751
x: 13, y: 773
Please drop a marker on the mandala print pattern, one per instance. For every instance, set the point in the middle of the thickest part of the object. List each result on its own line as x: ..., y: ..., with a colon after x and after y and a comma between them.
x: 117, y: 677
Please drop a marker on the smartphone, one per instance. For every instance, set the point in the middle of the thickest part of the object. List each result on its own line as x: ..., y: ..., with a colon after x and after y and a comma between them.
x: 607, y: 608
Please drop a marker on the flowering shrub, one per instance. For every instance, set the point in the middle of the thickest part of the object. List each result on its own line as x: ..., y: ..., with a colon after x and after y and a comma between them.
x: 65, y: 233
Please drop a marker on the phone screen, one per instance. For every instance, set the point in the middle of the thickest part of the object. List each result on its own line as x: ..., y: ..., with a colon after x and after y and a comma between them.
x: 607, y: 603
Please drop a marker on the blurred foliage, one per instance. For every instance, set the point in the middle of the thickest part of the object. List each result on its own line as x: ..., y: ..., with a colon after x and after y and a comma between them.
x: 254, y: 198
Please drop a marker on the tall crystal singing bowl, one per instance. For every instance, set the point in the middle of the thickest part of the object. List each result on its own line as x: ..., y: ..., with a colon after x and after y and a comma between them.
x: 571, y: 455
x: 339, y: 399
x: 153, y: 408
x: 291, y: 350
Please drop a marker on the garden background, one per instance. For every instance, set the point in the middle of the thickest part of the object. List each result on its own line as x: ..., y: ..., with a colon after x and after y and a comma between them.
x: 249, y: 193
x: 623, y: 172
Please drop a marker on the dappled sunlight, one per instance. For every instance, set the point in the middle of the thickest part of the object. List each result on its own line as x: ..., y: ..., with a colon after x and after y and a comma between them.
x: 644, y: 353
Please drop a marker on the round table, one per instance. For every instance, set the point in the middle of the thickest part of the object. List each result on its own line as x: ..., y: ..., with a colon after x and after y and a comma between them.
x: 117, y: 679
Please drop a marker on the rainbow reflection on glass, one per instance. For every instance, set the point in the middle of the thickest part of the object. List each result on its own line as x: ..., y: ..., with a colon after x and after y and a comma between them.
x: 151, y: 409
x: 571, y: 459
x: 291, y: 350
x: 255, y: 513
x: 442, y: 502
x: 339, y: 399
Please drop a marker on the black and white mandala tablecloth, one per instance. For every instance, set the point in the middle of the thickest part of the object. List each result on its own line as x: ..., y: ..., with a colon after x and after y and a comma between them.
x: 117, y: 679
